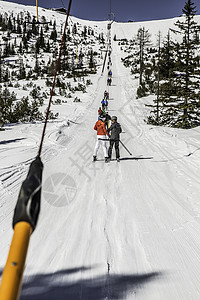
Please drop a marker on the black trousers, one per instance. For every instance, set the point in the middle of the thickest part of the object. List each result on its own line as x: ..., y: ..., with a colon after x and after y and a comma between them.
x: 112, y: 142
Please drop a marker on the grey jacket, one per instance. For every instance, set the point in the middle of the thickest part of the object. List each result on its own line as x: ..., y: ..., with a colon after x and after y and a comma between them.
x: 115, y: 130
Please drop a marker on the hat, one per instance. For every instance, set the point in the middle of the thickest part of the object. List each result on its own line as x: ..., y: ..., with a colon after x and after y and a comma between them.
x: 102, y: 118
x: 114, y: 118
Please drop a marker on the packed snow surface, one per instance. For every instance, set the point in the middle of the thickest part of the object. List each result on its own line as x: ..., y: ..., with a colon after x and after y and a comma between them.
x: 127, y: 230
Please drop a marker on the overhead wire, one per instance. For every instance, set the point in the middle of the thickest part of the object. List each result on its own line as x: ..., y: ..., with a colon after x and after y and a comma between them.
x: 26, y: 211
x: 54, y: 81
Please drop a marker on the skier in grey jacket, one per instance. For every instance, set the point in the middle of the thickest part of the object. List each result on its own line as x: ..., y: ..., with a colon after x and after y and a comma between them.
x: 115, y: 130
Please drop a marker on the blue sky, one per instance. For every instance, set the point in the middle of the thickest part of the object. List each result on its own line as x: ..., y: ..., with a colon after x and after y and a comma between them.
x: 124, y: 10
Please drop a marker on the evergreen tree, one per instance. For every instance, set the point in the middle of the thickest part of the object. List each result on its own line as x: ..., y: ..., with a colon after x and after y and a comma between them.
x: 42, y: 43
x: 0, y: 68
x: 84, y: 32
x: 91, y: 60
x: 25, y: 41
x: 7, y: 103
x: 53, y: 35
x: 37, y: 67
x: 24, y: 28
x: 180, y: 91
x: 22, y: 71
x: 10, y: 26
x: 74, y: 29
x: 47, y: 48
x: 167, y: 62
x: 143, y: 40
x: 80, y: 60
x: 34, y: 27
x: 6, y: 75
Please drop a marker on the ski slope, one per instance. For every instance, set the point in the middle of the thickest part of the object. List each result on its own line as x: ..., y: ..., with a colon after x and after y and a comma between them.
x: 127, y: 230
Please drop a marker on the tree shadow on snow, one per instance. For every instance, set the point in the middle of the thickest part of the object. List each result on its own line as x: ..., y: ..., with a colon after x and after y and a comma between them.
x: 10, y: 141
x: 58, y: 286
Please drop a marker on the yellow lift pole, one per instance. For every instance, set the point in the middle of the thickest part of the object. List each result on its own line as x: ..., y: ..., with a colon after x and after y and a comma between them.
x: 13, y: 270
x: 24, y: 222
x: 37, y: 8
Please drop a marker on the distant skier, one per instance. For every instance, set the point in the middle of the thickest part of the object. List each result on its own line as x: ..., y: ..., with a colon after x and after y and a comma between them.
x: 109, y: 81
x: 107, y: 120
x: 102, y: 134
x: 99, y: 111
x: 102, y: 115
x: 110, y: 73
x: 104, y: 104
x: 115, y: 130
x: 106, y: 95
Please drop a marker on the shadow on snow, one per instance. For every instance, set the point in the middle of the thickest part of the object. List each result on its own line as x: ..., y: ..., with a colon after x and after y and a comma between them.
x: 57, y: 286
x: 11, y: 141
x: 127, y: 158
x: 135, y: 158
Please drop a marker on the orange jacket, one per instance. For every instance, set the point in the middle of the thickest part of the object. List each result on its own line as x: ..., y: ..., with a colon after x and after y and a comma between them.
x: 100, y: 126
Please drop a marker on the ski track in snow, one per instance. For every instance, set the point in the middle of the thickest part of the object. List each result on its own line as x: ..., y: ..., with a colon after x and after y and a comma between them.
x: 127, y: 230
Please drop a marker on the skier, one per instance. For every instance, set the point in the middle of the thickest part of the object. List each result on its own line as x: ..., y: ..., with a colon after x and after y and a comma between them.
x: 106, y: 95
x: 99, y: 111
x: 102, y: 115
x: 104, y: 103
x: 102, y: 134
x: 109, y: 81
x: 110, y: 73
x: 115, y: 130
x: 107, y: 119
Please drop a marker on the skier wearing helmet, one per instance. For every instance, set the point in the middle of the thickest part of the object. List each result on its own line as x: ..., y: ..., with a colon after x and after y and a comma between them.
x: 102, y: 134
x: 115, y: 130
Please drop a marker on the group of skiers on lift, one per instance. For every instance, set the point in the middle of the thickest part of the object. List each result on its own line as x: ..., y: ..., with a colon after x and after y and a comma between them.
x: 105, y: 132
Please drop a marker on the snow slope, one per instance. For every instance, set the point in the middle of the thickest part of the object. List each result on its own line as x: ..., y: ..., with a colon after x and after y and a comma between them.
x: 127, y: 230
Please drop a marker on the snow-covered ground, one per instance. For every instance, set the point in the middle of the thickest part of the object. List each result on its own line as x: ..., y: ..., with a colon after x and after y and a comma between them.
x: 127, y: 230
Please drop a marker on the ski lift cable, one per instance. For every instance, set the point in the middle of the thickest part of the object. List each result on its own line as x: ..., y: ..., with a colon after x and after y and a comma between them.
x: 26, y: 212
x: 54, y: 81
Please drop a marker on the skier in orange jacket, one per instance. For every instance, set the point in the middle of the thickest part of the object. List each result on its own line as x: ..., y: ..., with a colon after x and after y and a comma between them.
x: 102, y: 135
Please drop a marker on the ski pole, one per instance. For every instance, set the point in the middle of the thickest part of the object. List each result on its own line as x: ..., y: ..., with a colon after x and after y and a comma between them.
x: 107, y: 140
x: 125, y: 148
x: 24, y: 222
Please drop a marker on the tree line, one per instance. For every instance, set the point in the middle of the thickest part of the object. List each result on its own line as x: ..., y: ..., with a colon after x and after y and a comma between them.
x: 171, y: 71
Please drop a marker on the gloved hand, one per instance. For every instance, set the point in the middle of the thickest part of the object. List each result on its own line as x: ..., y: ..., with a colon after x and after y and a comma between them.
x: 28, y: 205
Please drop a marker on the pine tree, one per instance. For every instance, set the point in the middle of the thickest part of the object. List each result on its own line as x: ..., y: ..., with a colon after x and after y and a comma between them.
x: 22, y: 71
x: 91, y: 60
x: 42, y: 43
x: 84, y: 32
x: 74, y: 29
x: 47, y: 48
x: 7, y: 103
x: 53, y: 35
x: 180, y: 91
x: 143, y: 40
x: 80, y: 60
x: 37, y: 67
x: 0, y: 67
x: 10, y: 26
x: 167, y: 62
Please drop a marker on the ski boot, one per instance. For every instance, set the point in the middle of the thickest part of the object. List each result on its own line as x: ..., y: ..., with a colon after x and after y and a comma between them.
x: 118, y: 160
x: 107, y: 159
x: 94, y: 158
